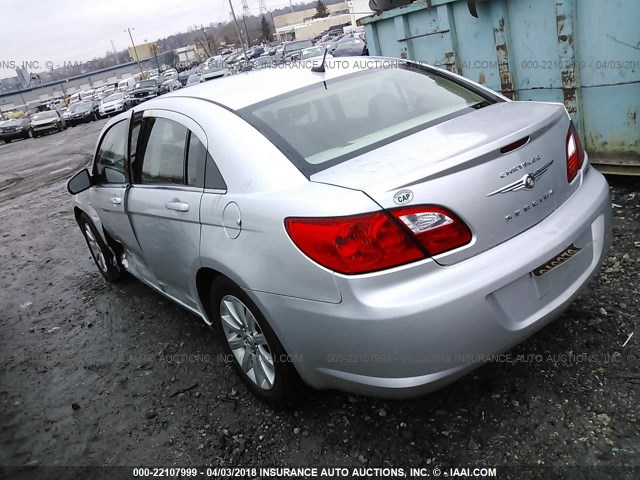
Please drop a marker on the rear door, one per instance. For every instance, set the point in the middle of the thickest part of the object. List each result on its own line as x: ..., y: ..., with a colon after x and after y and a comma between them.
x: 164, y: 199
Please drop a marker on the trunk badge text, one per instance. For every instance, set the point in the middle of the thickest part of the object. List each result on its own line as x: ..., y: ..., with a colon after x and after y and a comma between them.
x: 527, y: 182
x: 520, y: 166
x: 529, y: 206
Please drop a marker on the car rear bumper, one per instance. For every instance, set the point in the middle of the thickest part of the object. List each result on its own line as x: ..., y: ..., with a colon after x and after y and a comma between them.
x: 13, y: 135
x: 77, y: 121
x: 413, y: 329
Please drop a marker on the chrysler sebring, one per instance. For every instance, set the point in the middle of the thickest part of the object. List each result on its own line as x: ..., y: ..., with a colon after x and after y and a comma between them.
x: 379, y: 227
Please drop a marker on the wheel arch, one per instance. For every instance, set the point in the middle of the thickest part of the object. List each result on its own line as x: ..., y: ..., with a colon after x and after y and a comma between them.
x: 93, y: 216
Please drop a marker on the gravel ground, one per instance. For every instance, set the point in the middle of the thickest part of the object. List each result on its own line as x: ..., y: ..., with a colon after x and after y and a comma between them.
x: 114, y: 374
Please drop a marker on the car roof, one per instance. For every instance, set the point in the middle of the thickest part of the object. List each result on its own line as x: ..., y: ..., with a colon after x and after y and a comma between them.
x: 244, y: 89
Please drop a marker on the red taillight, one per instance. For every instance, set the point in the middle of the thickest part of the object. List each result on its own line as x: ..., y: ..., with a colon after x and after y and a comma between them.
x: 375, y: 241
x: 575, y: 153
x: 437, y: 229
x: 357, y: 244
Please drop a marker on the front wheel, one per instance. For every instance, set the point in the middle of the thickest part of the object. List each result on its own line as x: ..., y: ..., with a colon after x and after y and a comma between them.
x: 256, y: 353
x: 102, y: 255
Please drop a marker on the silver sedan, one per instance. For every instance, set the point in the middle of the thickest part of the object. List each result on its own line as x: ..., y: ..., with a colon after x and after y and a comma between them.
x: 380, y: 227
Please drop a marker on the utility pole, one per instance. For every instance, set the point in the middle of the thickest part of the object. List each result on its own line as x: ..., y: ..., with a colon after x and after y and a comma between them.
x: 246, y: 31
x: 245, y: 14
x: 291, y: 5
x: 235, y: 20
x: 115, y: 52
x: 135, y: 50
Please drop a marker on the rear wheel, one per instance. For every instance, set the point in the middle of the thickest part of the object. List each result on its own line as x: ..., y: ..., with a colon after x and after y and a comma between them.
x: 102, y: 255
x: 255, y: 351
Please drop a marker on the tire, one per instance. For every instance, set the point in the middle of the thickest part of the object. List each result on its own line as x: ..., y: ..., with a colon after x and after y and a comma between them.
x: 8, y: 140
x: 277, y: 382
x: 35, y: 135
x: 27, y: 135
x: 60, y: 127
x: 102, y: 255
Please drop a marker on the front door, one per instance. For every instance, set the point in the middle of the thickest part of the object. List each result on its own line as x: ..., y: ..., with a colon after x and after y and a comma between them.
x: 110, y: 178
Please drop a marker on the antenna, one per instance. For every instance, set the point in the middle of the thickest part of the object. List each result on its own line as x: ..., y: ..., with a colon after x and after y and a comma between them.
x: 320, y: 68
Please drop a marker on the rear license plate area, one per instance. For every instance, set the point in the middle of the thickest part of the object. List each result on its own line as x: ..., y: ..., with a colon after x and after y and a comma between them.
x: 553, y: 263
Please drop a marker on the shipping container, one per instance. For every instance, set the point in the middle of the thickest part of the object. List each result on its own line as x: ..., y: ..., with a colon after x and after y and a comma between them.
x: 583, y: 53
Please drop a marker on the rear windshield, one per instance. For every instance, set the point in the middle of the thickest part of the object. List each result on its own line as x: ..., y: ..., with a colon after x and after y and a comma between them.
x: 330, y: 122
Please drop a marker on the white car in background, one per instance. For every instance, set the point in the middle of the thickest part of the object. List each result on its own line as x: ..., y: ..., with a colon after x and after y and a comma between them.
x: 115, y: 103
x: 214, y: 70
x: 194, y: 80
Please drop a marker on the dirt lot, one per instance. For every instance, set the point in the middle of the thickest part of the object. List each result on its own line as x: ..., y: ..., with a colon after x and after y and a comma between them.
x: 94, y: 373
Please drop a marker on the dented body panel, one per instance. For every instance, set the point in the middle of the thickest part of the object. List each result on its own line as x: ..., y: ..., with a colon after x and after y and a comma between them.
x: 584, y: 54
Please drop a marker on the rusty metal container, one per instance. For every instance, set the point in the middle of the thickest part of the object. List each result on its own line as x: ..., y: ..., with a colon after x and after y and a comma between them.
x: 584, y: 53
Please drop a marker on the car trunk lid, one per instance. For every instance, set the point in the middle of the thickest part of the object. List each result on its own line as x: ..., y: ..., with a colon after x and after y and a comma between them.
x: 501, y: 169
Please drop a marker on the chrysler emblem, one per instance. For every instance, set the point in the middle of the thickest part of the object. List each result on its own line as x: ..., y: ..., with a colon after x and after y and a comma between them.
x: 527, y: 182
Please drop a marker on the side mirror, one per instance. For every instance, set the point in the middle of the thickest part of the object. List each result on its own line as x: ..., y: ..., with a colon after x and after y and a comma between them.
x: 80, y: 182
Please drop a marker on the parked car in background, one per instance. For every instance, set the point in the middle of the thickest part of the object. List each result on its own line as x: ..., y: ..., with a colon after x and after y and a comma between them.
x: 254, y: 52
x: 313, y: 52
x: 13, y: 129
x: 78, y: 113
x: 262, y: 62
x: 194, y: 80
x: 126, y: 84
x: 169, y: 85
x: 47, y: 122
x: 292, y: 49
x: 184, y: 75
x: 169, y: 73
x: 354, y: 47
x: 115, y: 103
x: 75, y: 98
x: 144, y: 90
x: 214, y: 70
x: 344, y: 187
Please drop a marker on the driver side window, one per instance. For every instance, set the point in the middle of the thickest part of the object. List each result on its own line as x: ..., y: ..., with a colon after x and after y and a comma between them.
x: 110, y: 164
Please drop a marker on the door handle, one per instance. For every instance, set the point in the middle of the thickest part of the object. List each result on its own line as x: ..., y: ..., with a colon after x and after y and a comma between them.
x: 177, y: 205
x: 116, y: 200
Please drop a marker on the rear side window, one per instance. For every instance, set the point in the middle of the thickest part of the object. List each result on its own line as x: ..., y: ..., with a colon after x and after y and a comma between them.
x: 110, y: 166
x: 165, y: 152
x: 330, y: 122
x: 197, y: 158
x: 164, y: 155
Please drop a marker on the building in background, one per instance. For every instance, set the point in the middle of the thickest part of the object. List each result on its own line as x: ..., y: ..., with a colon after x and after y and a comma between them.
x: 301, y: 25
x: 191, y: 53
x: 143, y: 51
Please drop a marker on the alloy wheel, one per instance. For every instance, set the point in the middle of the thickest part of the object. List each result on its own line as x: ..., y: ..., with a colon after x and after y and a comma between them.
x: 247, y: 342
x: 95, y: 249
